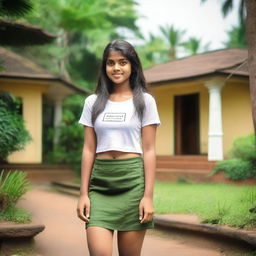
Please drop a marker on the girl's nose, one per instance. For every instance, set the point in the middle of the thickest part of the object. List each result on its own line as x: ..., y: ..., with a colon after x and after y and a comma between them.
x: 116, y: 66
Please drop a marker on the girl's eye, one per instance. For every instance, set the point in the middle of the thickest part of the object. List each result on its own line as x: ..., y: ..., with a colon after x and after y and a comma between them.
x: 123, y: 62
x: 110, y: 63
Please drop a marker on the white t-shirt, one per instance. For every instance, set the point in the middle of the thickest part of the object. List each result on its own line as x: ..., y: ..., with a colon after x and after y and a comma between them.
x: 118, y: 127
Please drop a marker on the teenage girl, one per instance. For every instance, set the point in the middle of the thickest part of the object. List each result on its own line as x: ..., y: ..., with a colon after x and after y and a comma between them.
x: 118, y: 159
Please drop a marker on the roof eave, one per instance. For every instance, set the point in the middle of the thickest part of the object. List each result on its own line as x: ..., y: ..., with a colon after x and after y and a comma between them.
x: 51, y: 79
x: 196, y: 77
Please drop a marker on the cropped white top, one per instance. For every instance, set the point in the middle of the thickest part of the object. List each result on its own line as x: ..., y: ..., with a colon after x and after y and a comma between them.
x: 118, y: 127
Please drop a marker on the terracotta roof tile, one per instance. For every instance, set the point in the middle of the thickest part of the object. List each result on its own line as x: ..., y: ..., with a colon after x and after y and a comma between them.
x: 16, y: 66
x: 221, y: 61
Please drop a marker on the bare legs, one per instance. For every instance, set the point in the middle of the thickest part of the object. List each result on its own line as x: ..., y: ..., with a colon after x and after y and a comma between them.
x: 100, y: 241
x: 130, y: 242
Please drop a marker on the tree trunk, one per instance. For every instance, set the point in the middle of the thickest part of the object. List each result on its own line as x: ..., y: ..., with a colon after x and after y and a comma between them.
x: 63, y: 43
x: 251, y: 42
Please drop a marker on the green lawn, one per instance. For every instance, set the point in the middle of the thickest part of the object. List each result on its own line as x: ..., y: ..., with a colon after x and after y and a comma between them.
x: 214, y: 203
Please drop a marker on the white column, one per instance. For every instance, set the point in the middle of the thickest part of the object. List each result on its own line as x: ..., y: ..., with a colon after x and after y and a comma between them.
x: 215, y: 133
x: 57, y: 119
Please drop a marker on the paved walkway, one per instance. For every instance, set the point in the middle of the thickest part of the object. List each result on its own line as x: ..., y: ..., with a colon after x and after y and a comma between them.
x: 65, y: 234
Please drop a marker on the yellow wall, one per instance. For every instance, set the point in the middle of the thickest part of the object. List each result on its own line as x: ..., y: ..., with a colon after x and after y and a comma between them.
x: 164, y: 95
x: 31, y: 95
x: 236, y: 113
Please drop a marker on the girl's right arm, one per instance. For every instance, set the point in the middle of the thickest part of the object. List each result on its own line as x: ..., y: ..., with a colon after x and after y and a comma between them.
x: 88, y: 155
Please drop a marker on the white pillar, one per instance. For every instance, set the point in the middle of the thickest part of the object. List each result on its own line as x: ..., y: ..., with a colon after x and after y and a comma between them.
x: 57, y: 119
x: 215, y: 133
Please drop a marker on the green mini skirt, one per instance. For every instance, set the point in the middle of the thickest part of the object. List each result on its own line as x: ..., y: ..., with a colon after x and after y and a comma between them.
x: 115, y: 190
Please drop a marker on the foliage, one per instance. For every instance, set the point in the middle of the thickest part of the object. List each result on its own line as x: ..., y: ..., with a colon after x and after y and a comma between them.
x: 12, y: 186
x: 15, y: 214
x: 242, y: 164
x: 194, y: 45
x: 214, y: 203
x: 244, y: 147
x: 69, y: 147
x: 14, y: 135
x: 173, y: 38
x: 70, y: 143
x: 153, y: 51
x: 236, y: 37
x: 15, y: 8
x: 83, y: 29
x: 236, y: 168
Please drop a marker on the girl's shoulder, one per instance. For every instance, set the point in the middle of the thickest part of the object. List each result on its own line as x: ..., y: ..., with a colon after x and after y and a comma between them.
x: 148, y: 97
x: 91, y: 98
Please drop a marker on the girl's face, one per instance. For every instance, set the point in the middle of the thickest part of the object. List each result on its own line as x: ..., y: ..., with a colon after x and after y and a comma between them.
x: 118, y: 68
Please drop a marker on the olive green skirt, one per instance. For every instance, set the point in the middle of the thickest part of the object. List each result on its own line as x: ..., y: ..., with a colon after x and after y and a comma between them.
x: 115, y: 190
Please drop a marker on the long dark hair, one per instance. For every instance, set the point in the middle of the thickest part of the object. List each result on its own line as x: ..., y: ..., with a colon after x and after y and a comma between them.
x: 105, y: 85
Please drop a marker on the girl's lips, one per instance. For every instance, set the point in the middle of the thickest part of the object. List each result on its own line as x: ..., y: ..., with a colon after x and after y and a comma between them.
x: 117, y: 75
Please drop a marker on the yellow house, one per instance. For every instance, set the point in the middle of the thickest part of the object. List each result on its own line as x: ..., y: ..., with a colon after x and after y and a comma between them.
x: 33, y: 84
x: 203, y: 102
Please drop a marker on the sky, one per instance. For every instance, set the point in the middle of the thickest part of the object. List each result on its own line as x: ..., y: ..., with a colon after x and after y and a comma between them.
x: 203, y: 21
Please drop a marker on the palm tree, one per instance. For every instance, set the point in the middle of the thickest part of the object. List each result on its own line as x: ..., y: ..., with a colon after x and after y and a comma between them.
x: 173, y: 37
x: 236, y: 37
x: 194, y: 46
x: 153, y: 51
x: 239, y: 31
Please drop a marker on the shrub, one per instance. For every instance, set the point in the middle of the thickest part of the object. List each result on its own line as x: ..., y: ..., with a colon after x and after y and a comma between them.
x: 69, y: 147
x: 12, y: 187
x: 236, y: 169
x: 14, y: 136
x: 68, y: 150
x: 244, y: 147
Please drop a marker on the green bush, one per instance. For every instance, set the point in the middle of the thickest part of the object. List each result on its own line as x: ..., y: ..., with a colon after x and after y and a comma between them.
x: 14, y: 136
x: 69, y: 147
x: 12, y: 187
x: 236, y: 169
x: 242, y: 165
x: 68, y: 150
x: 244, y: 147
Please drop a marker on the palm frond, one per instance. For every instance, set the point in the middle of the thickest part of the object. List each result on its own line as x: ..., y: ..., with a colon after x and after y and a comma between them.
x: 15, y: 8
x: 227, y: 7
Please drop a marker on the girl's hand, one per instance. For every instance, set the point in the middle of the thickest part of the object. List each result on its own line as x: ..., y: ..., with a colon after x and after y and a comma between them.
x: 83, y: 208
x: 146, y: 209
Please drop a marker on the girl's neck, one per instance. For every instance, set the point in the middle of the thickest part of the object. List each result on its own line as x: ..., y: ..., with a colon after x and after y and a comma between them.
x: 122, y: 90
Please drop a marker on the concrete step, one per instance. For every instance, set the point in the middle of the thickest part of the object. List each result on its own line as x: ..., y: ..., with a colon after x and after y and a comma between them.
x: 183, y: 157
x: 35, y: 167
x: 178, y: 175
x: 185, y: 164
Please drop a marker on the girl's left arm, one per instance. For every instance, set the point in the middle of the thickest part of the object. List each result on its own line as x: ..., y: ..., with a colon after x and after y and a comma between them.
x: 146, y: 208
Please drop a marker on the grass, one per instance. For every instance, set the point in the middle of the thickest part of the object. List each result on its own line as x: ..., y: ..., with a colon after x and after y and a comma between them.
x: 12, y: 186
x: 17, y: 215
x: 214, y: 203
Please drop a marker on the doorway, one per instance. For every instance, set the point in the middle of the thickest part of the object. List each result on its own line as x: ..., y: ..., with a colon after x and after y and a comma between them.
x: 186, y: 124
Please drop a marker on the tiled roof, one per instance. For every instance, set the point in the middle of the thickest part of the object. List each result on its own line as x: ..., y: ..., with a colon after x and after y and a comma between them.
x: 16, y: 66
x: 13, y: 33
x: 216, y: 62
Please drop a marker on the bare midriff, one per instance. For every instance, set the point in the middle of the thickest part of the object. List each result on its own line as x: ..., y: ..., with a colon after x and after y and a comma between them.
x: 112, y: 154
